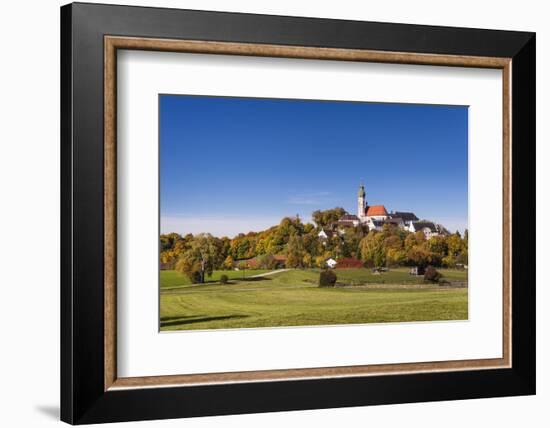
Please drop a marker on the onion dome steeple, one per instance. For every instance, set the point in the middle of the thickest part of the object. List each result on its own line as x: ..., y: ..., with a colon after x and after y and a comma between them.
x: 361, y: 192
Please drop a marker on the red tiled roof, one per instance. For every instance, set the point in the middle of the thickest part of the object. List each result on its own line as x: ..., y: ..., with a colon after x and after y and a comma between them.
x: 349, y: 263
x: 377, y: 210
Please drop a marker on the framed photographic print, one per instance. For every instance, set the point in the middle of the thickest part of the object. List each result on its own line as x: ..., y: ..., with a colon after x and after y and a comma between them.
x: 265, y: 213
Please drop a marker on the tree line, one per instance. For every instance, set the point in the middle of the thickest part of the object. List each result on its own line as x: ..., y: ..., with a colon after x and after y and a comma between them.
x: 197, y: 256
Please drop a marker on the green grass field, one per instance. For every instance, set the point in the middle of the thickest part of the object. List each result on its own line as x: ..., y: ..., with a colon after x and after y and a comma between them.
x: 396, y: 276
x: 292, y: 298
x: 171, y: 278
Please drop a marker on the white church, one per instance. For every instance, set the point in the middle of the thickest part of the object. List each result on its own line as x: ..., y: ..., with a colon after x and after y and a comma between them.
x: 376, y: 216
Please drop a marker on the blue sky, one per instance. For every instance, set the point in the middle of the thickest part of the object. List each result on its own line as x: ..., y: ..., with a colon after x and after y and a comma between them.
x: 230, y: 165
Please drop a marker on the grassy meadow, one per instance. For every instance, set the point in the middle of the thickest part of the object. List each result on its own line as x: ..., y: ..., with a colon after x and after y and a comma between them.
x: 171, y: 278
x: 293, y: 298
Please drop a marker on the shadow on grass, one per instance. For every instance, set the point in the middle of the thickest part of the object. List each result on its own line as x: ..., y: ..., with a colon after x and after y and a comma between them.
x: 252, y: 279
x: 178, y: 317
x: 176, y: 321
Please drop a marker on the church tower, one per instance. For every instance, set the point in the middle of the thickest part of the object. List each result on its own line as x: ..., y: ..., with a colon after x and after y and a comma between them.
x: 361, y: 202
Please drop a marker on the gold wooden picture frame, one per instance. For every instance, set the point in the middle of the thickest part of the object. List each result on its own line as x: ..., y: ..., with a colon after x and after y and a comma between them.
x: 114, y: 43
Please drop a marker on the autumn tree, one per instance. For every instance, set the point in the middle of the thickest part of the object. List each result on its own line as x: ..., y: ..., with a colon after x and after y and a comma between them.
x: 326, y: 217
x: 228, y: 263
x: 307, y: 260
x: 225, y: 247
x: 202, y: 257
x: 437, y: 246
x: 413, y: 239
x: 290, y: 226
x: 419, y: 255
x: 393, y: 242
x: 372, y: 249
x: 395, y: 256
x: 189, y: 265
x: 168, y: 241
x: 351, y: 239
x: 312, y: 244
x: 275, y: 239
x: 463, y: 256
x: 454, y: 245
x: 320, y: 262
x: 295, y: 252
x: 392, y: 246
x: 242, y: 246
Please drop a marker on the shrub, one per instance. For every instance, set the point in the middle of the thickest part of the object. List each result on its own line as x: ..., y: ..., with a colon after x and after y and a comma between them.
x: 327, y: 278
x: 432, y: 275
x: 224, y: 278
x: 443, y: 281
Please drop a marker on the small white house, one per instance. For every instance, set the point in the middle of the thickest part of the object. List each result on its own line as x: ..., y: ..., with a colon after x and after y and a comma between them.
x: 429, y: 229
x: 322, y: 234
x: 325, y: 235
x: 375, y: 224
x: 331, y: 263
